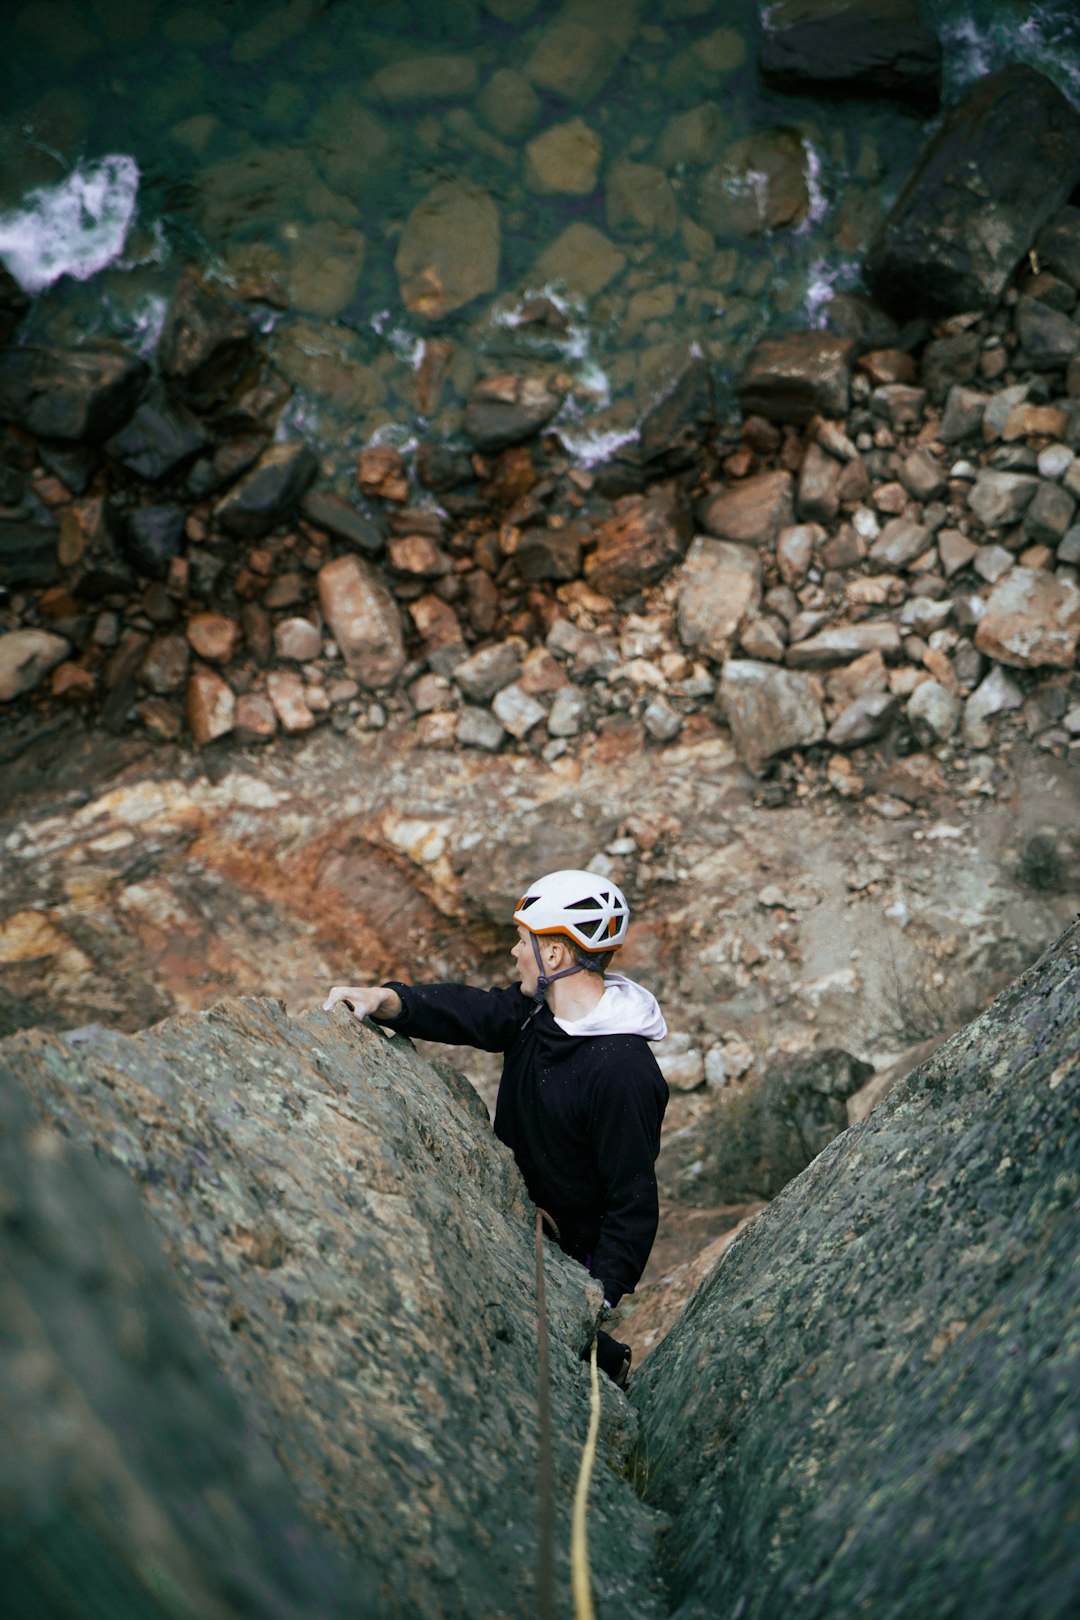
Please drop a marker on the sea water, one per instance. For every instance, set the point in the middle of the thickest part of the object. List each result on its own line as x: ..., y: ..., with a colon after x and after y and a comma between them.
x: 288, y: 151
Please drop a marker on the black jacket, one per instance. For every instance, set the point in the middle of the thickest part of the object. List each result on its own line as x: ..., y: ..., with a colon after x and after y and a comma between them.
x: 581, y: 1115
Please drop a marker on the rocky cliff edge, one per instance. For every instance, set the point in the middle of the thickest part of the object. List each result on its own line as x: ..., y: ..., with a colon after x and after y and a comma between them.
x: 344, y: 1417
x: 869, y: 1407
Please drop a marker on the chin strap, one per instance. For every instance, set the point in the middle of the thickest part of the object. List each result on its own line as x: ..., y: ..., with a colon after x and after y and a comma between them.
x: 544, y: 979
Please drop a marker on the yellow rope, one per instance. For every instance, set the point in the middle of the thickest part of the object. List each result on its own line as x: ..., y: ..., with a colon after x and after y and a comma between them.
x: 579, y: 1535
x: 545, y: 1549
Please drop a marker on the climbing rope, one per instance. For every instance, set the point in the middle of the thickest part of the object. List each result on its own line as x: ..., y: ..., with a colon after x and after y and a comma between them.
x: 545, y: 1571
x: 581, y: 1584
x: 579, y: 1534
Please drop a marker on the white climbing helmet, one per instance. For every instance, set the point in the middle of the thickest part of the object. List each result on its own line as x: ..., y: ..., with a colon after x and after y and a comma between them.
x: 590, y: 909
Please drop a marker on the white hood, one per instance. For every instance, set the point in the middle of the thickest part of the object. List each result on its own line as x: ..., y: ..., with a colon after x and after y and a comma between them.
x: 625, y: 1008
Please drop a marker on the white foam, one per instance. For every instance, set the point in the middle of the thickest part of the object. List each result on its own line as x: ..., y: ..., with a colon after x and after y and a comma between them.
x: 588, y: 448
x: 75, y: 228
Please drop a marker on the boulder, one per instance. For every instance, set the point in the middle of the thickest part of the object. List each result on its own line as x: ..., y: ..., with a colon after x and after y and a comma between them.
x: 363, y: 619
x: 758, y: 185
x: 1032, y: 620
x: 1001, y: 498
x: 1048, y: 338
x: 851, y: 48
x: 204, y: 345
x: 872, y: 1384
x: 26, y: 657
x: 269, y: 491
x: 818, y: 497
x: 564, y: 159
x: 719, y: 588
x: 1058, y: 246
x: 357, y: 1250
x: 639, y: 196
x: 899, y: 543
x: 1000, y: 166
x: 548, y: 554
x: 69, y: 393
x: 581, y: 259
x: 996, y: 694
x: 797, y: 376
x: 770, y: 711
x: 675, y: 428
x: 508, y: 409
x: 640, y: 542
x: 933, y: 712
x: 158, y: 439
x: 751, y: 512
x: 842, y: 643
x: 210, y: 706
x: 288, y: 696
x: 449, y: 249
x: 131, y: 1468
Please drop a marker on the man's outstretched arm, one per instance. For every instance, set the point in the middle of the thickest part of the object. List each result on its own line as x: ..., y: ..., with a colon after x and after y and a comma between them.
x: 366, y: 1001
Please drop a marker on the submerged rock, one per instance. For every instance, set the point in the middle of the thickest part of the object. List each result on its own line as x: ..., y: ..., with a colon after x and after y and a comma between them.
x: 874, y: 1383
x: 1001, y: 165
x: 449, y: 249
x: 357, y: 1252
x: 876, y: 49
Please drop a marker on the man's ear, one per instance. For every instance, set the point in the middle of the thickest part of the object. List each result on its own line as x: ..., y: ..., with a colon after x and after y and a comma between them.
x: 556, y: 949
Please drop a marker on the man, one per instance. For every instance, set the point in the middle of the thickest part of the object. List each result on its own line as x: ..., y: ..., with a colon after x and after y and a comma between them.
x: 581, y: 1098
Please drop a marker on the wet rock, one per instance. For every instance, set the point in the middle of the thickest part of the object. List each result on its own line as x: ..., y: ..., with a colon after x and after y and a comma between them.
x: 26, y: 658
x: 152, y: 536
x: 798, y: 376
x: 956, y: 1152
x: 851, y: 48
x: 508, y: 409
x: 209, y: 706
x: 363, y: 620
x: 289, y: 696
x: 719, y: 586
x: 564, y: 159
x: 74, y: 464
x: 770, y: 711
x: 509, y: 103
x: 580, y: 48
x: 675, y: 429
x: 14, y: 304
x: 165, y: 666
x: 204, y: 346
x: 29, y: 548
x: 640, y: 542
x: 1001, y: 498
x: 1048, y: 338
x: 581, y: 259
x: 751, y: 512
x: 1002, y: 163
x: 69, y: 393
x: 758, y: 185
x: 449, y: 249
x: 158, y: 439
x: 842, y: 643
x: 1032, y: 620
x: 343, y: 521
x: 425, y: 78
x: 639, y: 195
x: 269, y: 491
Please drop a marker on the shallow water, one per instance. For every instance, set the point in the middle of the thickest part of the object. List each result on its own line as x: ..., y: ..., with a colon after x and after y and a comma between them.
x: 291, y: 149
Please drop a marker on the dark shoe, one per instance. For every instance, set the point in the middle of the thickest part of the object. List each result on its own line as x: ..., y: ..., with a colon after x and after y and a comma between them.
x: 613, y: 1359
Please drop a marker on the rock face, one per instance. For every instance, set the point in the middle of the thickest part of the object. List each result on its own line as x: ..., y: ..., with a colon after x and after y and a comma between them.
x: 357, y: 1250
x: 1005, y: 159
x: 129, y: 1465
x: 881, y: 48
x: 865, y: 1408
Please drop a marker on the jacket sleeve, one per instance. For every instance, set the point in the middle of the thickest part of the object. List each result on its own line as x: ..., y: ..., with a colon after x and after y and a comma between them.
x: 461, y: 1015
x: 627, y: 1110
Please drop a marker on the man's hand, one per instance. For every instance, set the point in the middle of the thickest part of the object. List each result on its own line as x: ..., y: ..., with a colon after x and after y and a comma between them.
x: 365, y: 1001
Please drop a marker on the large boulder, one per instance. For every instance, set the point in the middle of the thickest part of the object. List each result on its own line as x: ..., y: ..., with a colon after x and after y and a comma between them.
x: 798, y: 375
x: 642, y: 539
x: 1032, y: 620
x: 357, y: 1251
x: 719, y: 590
x: 130, y: 1468
x: 1001, y: 165
x: 363, y: 619
x: 867, y: 1407
x: 69, y: 393
x: 853, y: 47
x: 751, y: 512
x: 770, y: 711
